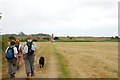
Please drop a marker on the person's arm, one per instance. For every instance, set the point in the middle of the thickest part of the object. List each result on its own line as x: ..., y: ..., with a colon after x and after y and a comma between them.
x: 25, y: 49
x: 21, y: 50
x: 6, y: 49
x: 16, y: 53
x: 34, y: 47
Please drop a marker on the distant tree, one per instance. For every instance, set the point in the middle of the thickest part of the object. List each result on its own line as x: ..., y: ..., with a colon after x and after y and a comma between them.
x: 35, y: 40
x: 21, y: 33
x: 116, y: 37
x: 70, y: 37
x: 112, y: 37
x: 56, y: 38
x: 46, y: 39
x: 12, y: 38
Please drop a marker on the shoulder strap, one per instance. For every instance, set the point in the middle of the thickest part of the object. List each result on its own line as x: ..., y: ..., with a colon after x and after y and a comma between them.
x: 11, y: 47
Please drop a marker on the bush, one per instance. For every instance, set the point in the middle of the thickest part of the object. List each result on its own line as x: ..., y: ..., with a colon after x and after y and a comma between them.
x: 46, y: 39
x: 12, y: 38
x: 35, y: 40
x: 116, y: 37
x: 56, y: 38
x: 4, y: 43
x: 22, y: 40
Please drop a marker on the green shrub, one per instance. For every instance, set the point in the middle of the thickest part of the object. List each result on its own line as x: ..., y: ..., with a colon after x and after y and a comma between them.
x: 22, y: 40
x: 46, y: 39
x: 4, y: 42
x: 56, y: 38
x: 35, y: 40
x: 12, y: 38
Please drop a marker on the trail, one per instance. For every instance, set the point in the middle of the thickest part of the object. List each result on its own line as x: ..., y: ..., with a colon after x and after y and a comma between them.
x: 50, y: 69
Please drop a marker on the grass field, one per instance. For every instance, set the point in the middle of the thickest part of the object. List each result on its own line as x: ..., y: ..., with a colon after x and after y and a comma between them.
x: 90, y: 59
x: 75, y: 60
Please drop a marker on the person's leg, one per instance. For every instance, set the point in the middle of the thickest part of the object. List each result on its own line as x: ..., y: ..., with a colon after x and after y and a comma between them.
x: 14, y: 63
x: 18, y: 63
x: 42, y: 65
x: 9, y: 68
x: 27, y: 65
x: 32, y: 64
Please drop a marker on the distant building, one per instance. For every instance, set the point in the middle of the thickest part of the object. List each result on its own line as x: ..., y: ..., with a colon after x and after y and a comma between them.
x: 52, y: 35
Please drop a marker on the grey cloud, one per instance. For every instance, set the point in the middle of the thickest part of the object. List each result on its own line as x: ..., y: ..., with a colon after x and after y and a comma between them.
x: 69, y: 17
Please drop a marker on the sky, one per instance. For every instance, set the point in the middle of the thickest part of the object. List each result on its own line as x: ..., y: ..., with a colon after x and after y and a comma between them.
x: 60, y: 17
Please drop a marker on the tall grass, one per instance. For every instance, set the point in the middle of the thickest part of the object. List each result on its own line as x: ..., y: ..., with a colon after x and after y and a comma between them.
x: 4, y: 63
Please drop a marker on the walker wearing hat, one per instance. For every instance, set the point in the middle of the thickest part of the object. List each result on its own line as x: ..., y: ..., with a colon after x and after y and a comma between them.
x: 19, y: 49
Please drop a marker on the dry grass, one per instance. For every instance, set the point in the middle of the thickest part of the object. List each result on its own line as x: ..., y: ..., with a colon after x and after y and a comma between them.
x: 90, y: 59
x: 82, y: 59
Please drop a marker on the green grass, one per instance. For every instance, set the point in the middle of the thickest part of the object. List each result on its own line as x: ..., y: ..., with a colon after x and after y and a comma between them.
x: 74, y: 40
x: 61, y: 63
x: 111, y: 40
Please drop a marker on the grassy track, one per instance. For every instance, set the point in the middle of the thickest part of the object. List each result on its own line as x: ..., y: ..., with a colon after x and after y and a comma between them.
x: 61, y: 63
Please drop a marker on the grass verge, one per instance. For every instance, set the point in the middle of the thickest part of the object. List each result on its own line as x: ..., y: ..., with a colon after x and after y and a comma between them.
x: 61, y: 63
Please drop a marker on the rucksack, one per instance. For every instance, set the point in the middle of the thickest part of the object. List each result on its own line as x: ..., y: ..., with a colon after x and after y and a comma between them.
x: 10, y: 53
x: 17, y: 46
x: 29, y: 44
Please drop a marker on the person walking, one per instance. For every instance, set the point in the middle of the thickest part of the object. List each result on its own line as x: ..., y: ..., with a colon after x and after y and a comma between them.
x: 12, y: 58
x: 28, y: 54
x: 19, y: 49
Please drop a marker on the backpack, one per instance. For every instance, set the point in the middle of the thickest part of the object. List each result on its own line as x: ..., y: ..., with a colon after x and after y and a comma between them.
x: 18, y: 49
x: 10, y: 53
x: 17, y: 46
x: 30, y: 51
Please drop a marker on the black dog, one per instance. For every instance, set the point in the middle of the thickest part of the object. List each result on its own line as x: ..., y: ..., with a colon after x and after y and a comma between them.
x: 41, y: 62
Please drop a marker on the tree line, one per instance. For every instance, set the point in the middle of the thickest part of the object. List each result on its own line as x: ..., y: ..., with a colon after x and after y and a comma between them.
x: 22, y: 34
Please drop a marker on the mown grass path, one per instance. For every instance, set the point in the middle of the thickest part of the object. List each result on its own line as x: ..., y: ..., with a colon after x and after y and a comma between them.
x: 53, y: 64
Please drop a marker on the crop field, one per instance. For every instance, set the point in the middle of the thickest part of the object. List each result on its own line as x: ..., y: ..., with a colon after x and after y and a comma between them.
x: 74, y: 60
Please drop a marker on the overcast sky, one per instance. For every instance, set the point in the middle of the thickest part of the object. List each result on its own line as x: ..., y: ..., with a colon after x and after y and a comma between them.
x: 60, y: 17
